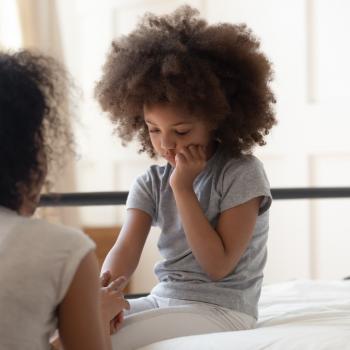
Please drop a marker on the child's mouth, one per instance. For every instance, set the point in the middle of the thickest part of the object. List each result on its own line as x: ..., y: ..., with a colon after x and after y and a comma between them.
x: 169, y: 157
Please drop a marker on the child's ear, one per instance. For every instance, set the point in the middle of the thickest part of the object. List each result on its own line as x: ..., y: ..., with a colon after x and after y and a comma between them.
x: 213, y: 126
x: 215, y: 134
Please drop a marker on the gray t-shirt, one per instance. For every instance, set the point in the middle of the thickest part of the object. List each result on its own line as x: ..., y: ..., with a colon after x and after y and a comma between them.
x: 223, y: 184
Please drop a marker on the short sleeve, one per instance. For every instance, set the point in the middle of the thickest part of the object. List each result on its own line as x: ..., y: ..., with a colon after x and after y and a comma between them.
x: 141, y: 195
x: 78, y: 245
x: 242, y: 180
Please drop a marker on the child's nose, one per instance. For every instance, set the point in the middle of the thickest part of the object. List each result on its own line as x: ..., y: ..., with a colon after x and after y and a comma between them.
x: 167, y: 142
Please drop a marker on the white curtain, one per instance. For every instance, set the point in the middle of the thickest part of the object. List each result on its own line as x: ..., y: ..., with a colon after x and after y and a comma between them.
x: 40, y: 30
x: 10, y: 34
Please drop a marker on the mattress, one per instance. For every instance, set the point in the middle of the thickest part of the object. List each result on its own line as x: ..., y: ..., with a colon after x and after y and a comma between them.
x: 300, y: 314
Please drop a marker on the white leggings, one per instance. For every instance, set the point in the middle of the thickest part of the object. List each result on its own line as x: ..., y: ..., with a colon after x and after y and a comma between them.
x: 152, y: 319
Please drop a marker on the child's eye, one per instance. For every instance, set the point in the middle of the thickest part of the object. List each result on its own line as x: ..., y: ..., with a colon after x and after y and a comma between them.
x: 153, y: 130
x: 182, y: 132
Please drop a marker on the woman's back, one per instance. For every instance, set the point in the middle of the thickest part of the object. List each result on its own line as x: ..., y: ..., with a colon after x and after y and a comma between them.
x: 38, y: 263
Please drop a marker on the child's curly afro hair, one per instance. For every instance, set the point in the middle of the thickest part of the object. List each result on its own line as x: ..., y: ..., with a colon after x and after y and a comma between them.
x: 216, y: 72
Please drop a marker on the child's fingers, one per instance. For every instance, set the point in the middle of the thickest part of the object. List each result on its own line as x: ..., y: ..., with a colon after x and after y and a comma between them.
x: 118, y: 304
x: 187, y: 153
x: 116, y: 322
x: 193, y: 151
x: 117, y: 298
x: 201, y: 152
x: 118, y: 284
x: 105, y: 278
x: 196, y: 152
x: 124, y: 303
x: 113, y: 328
x: 180, y: 157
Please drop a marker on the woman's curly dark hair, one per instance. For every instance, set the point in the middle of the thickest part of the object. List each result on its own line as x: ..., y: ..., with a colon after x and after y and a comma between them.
x: 214, y: 71
x: 34, y: 130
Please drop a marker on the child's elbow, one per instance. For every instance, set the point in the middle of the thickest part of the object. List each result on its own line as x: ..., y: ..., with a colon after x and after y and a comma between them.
x: 218, y: 274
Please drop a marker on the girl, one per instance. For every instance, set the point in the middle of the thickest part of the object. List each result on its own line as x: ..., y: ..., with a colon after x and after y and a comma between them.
x: 196, y: 95
x: 48, y: 273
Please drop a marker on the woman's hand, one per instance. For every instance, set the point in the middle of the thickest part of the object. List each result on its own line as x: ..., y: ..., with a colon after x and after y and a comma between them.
x: 190, y: 161
x: 112, y: 301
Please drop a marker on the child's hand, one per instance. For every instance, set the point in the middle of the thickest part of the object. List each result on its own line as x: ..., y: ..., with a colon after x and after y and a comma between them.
x: 190, y: 161
x: 117, y: 285
x: 112, y: 301
x: 116, y: 323
x: 112, y: 304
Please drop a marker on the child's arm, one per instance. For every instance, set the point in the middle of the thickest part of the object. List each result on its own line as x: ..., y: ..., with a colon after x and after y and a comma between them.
x: 217, y: 250
x: 124, y: 256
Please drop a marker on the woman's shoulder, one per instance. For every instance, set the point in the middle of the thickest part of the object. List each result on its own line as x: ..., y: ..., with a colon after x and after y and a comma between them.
x: 54, y: 228
x: 54, y: 235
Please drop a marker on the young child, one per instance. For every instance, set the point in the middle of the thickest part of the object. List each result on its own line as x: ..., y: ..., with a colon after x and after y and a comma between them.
x: 49, y: 273
x: 198, y: 96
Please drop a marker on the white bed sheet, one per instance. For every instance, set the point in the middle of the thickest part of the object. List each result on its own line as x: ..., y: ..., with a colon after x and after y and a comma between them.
x: 301, y: 314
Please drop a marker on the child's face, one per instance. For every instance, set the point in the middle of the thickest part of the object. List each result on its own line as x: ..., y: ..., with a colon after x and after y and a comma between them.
x: 172, y: 129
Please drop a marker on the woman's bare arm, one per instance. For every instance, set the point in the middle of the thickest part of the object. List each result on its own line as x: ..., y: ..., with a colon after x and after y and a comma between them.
x: 80, y: 321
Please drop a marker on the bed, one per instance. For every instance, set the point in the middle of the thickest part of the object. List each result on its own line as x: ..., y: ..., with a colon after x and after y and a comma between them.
x: 299, y: 314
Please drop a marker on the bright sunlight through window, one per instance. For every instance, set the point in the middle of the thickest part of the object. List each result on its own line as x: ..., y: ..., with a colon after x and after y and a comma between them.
x: 10, y: 34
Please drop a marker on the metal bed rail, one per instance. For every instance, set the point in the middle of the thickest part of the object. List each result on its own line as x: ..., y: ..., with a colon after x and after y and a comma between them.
x: 119, y: 198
